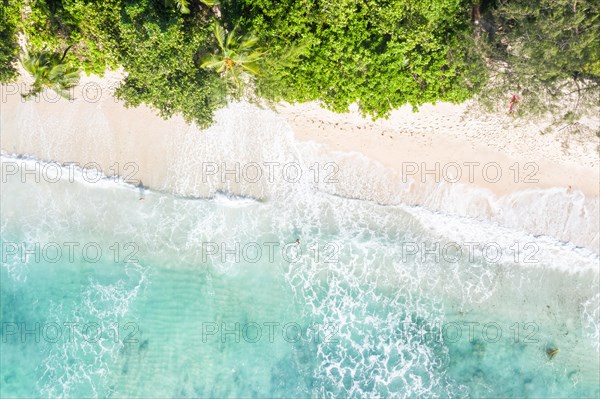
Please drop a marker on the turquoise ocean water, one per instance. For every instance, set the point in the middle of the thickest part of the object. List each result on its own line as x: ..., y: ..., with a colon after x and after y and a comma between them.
x: 179, y: 297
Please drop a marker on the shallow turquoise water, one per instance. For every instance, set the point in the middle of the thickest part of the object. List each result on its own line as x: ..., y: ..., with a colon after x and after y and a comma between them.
x: 355, y: 314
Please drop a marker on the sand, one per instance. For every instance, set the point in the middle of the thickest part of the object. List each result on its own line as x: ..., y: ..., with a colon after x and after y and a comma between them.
x: 487, y: 166
x: 446, y: 133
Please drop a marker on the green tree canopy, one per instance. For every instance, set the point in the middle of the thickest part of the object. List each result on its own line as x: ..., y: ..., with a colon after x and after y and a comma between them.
x: 9, y: 48
x: 157, y: 44
x: 160, y: 53
x: 380, y: 54
x: 546, y: 51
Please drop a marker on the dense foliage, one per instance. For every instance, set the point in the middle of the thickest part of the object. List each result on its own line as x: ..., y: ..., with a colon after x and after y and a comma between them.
x: 546, y: 51
x: 379, y: 54
x: 90, y: 27
x: 160, y: 51
x: 156, y: 44
x: 9, y: 48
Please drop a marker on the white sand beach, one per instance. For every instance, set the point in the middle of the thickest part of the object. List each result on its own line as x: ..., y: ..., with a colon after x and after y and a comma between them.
x: 445, y: 157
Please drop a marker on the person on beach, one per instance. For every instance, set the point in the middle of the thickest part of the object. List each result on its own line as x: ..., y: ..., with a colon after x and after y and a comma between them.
x: 514, y: 100
x: 297, y: 241
x: 141, y: 190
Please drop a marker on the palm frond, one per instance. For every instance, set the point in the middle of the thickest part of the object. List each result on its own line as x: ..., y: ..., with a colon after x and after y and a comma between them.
x: 234, y: 74
x: 183, y: 6
x: 210, y: 61
x: 220, y: 36
x: 251, y: 67
x: 49, y: 70
x: 248, y: 42
x: 238, y: 55
x: 231, y: 38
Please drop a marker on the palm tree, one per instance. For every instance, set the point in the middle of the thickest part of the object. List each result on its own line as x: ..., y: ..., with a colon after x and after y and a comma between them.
x: 236, y: 54
x: 50, y: 70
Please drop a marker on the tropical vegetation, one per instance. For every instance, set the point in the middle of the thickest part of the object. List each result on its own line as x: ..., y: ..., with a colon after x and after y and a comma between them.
x: 547, y: 52
x: 49, y: 70
x: 191, y: 57
x: 235, y: 55
x: 9, y: 47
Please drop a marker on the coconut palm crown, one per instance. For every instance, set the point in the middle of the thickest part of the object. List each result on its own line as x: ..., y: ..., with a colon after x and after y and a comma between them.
x: 236, y: 54
x: 51, y: 71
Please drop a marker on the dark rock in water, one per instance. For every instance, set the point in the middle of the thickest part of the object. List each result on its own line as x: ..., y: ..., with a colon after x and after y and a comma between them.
x: 551, y: 352
x: 143, y: 345
x: 479, y: 375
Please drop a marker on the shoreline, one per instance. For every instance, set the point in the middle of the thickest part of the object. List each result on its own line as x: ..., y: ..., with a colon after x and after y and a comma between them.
x: 446, y: 138
x: 373, y: 161
x: 443, y: 226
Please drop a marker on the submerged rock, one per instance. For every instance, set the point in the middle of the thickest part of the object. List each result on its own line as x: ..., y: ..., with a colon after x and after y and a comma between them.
x: 551, y: 352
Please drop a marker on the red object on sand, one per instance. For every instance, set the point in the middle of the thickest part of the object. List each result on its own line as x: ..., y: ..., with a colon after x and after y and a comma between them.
x: 513, y: 102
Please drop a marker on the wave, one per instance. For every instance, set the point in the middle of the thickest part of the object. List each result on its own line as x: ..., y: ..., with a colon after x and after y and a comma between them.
x: 377, y: 292
x: 252, y: 153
